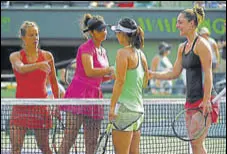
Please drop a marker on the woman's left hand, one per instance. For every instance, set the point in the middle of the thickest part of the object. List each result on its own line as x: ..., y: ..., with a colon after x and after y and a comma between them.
x: 207, y: 107
x: 112, y: 115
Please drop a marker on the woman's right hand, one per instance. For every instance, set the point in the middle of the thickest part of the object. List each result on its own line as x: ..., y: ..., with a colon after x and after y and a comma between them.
x: 44, y: 66
x: 111, y: 70
x: 158, y: 83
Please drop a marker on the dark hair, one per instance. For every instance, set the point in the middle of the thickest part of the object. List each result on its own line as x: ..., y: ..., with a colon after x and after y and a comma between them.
x: 136, y: 39
x: 196, y: 14
x: 90, y: 22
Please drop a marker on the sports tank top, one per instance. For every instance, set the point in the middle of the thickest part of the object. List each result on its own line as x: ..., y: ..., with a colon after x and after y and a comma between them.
x: 31, y: 84
x: 194, y: 74
x: 131, y: 95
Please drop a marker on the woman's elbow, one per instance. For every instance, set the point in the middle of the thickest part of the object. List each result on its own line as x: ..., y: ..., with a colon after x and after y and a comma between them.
x: 20, y: 70
x: 88, y: 73
x: 174, y: 76
x: 120, y: 82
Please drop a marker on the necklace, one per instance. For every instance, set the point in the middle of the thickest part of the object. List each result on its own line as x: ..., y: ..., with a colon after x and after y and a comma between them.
x: 99, y: 50
x: 190, y: 44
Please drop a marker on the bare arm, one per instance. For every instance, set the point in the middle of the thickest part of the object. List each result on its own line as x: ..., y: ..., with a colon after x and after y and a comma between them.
x: 19, y: 66
x: 121, y: 69
x: 52, y: 75
x: 204, y: 52
x: 154, y: 66
x: 90, y: 71
x: 145, y: 67
x: 172, y: 74
x: 216, y: 50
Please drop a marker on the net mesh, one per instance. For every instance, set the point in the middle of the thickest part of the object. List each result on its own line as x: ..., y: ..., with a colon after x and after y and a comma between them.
x: 156, y: 132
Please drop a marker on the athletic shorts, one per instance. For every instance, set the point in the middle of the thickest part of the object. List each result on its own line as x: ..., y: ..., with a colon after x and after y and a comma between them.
x: 215, y: 108
x: 127, y: 120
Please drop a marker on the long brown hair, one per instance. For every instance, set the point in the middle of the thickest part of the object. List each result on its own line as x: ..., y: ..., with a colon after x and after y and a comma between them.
x: 136, y: 39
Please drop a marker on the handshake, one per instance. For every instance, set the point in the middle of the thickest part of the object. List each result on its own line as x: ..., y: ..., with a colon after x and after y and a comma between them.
x: 110, y: 73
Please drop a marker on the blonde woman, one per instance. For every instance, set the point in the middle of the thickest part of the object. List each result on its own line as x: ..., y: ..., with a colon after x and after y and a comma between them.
x: 32, y: 68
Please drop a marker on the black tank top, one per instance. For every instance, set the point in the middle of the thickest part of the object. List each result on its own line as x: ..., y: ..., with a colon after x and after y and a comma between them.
x: 191, y: 62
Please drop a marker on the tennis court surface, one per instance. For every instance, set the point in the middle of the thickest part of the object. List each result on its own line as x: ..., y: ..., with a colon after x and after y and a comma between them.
x: 157, y: 136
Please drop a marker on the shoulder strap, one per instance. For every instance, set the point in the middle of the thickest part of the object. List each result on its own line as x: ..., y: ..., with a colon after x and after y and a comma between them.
x: 23, y: 56
x: 184, y: 47
x: 41, y: 56
x: 140, y: 59
x: 138, y: 54
x: 194, y: 42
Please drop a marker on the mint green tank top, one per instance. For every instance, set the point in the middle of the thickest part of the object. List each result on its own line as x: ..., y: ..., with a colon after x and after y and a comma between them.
x: 131, y: 96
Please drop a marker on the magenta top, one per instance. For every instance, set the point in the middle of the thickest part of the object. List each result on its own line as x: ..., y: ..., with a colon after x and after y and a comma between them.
x: 83, y: 86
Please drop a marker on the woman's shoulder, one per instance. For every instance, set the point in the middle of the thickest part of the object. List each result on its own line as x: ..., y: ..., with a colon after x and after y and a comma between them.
x: 46, y: 54
x: 18, y: 53
x: 86, y: 46
x: 201, y: 42
x: 202, y: 46
x: 122, y: 52
x: 141, y: 52
x: 181, y: 47
x: 15, y: 53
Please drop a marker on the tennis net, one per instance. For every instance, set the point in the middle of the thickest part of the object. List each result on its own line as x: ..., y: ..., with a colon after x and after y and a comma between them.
x: 157, y: 136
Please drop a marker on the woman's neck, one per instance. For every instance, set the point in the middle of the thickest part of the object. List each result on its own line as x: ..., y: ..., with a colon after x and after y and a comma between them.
x: 31, y: 51
x: 192, y: 37
x: 97, y: 43
x: 127, y: 46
